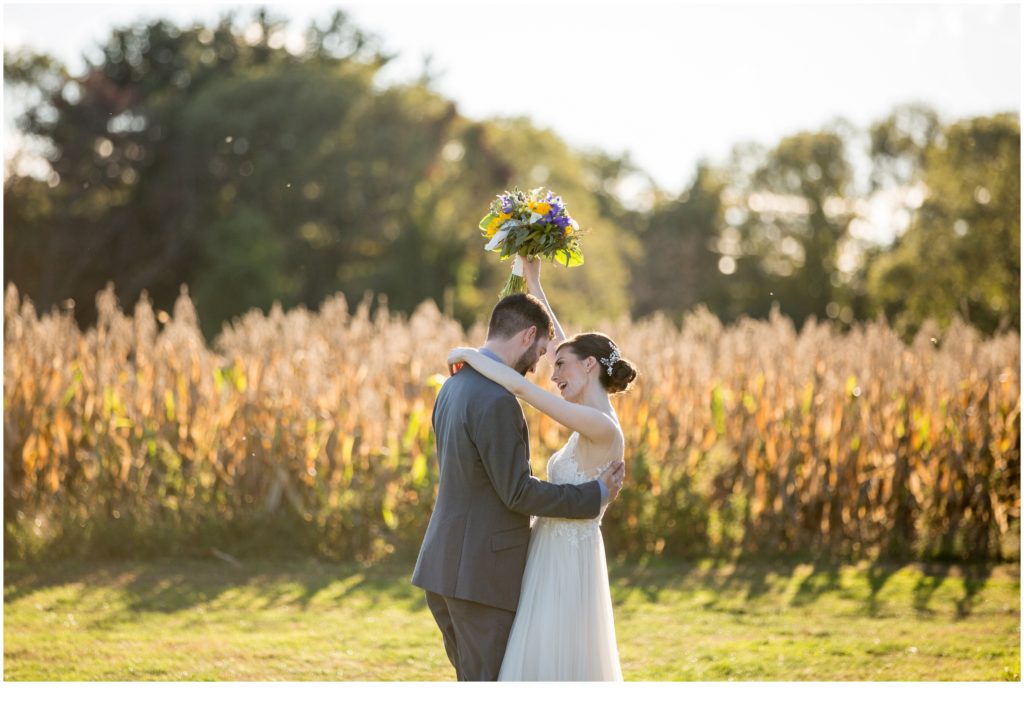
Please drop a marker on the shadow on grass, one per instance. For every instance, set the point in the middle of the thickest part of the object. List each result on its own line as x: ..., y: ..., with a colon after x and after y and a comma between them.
x: 721, y: 582
x: 823, y: 578
x: 973, y: 578
x: 168, y: 586
x: 755, y: 578
x: 878, y: 574
x: 727, y: 585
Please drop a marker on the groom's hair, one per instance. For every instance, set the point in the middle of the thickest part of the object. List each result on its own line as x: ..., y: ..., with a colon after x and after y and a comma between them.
x: 516, y: 313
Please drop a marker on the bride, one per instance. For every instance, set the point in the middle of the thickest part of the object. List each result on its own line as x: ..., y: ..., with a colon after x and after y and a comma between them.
x: 563, y: 628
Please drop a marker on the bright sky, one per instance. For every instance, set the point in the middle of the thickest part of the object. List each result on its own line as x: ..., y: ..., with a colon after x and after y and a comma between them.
x: 667, y: 83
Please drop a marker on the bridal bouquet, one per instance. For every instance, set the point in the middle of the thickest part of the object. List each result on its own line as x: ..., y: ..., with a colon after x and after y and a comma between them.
x: 531, y: 224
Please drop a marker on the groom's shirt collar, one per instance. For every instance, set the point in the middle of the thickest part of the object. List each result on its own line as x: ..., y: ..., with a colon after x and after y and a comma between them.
x: 492, y: 355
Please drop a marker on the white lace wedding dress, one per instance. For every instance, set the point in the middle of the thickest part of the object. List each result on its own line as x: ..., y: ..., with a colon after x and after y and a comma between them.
x: 564, y: 630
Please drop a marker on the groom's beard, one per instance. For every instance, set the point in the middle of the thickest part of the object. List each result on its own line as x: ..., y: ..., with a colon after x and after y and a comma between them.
x: 527, y: 360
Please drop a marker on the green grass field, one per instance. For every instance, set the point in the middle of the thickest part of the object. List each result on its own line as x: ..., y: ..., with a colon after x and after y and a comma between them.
x: 298, y: 620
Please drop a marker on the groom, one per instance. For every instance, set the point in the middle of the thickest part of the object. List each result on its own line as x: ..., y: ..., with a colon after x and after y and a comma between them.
x: 474, y: 552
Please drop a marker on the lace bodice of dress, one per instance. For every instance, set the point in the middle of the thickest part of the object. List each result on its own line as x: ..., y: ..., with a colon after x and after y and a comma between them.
x: 564, y: 468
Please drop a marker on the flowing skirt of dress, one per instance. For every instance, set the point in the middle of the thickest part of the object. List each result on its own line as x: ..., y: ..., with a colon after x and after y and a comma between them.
x: 564, y: 629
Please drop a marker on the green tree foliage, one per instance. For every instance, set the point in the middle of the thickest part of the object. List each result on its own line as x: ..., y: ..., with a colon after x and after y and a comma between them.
x: 961, y: 253
x: 215, y: 157
x: 899, y: 142
x: 787, y: 213
x: 681, y: 268
x: 776, y: 227
x: 253, y: 175
x: 172, y: 154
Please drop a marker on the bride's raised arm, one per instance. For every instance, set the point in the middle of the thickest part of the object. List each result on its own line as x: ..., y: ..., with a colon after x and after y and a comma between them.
x: 531, y: 271
x: 589, y: 422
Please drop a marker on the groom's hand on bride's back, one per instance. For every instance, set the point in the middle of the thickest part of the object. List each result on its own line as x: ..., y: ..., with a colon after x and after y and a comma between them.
x: 613, y: 476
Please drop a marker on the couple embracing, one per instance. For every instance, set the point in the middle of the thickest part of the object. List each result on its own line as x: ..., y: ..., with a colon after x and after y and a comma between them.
x: 515, y: 602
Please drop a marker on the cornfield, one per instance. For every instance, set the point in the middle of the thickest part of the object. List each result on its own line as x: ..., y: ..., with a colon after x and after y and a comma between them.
x: 136, y: 436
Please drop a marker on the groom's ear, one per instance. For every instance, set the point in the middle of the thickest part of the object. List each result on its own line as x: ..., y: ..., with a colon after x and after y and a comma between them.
x: 529, y: 335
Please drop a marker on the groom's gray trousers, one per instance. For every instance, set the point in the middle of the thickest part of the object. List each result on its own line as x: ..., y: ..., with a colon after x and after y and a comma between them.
x: 474, y: 636
x: 474, y: 551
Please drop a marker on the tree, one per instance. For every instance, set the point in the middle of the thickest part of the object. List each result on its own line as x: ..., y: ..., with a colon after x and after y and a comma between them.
x: 899, y: 144
x: 146, y: 164
x: 680, y: 268
x: 961, y: 253
x: 217, y: 158
x: 786, y: 218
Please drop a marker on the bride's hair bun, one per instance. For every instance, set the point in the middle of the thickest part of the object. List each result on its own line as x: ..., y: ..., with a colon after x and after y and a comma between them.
x: 604, y: 350
x: 623, y: 374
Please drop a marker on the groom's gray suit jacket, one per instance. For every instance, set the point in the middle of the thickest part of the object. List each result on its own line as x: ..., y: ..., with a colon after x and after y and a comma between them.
x: 476, y: 541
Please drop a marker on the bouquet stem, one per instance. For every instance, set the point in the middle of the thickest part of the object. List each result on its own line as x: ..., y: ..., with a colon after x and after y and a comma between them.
x: 516, y: 285
x: 516, y: 282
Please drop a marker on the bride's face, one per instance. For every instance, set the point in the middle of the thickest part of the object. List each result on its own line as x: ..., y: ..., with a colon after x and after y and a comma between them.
x: 570, y: 375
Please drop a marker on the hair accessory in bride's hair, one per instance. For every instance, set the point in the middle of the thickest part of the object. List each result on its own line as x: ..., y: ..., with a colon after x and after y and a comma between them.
x: 610, y: 361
